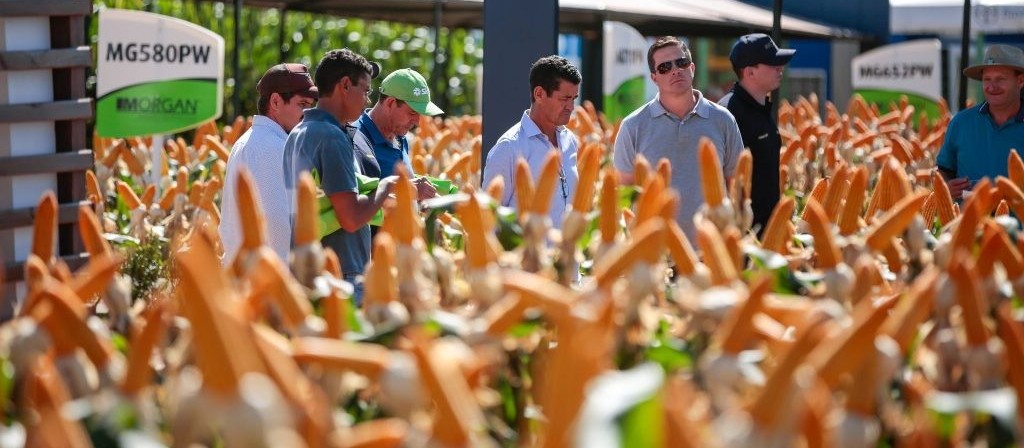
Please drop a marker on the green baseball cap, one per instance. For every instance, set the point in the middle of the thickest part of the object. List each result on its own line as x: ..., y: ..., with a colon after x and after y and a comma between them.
x: 409, y: 86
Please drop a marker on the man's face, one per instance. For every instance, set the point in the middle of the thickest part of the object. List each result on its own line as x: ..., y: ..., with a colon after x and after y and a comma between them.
x: 402, y: 117
x: 1002, y: 86
x: 356, y: 97
x: 557, y: 107
x: 765, y: 77
x: 673, y: 70
x: 290, y: 113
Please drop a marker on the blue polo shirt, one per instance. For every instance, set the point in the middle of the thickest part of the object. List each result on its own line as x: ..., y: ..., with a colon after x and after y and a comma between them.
x: 320, y: 144
x: 376, y: 154
x: 975, y: 147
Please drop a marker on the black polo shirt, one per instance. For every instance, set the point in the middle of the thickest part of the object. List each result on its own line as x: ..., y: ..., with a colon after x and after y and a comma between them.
x: 761, y: 135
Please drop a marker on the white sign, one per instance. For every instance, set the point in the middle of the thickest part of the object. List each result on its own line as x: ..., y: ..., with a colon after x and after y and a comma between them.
x: 155, y: 74
x: 625, y: 70
x: 909, y: 67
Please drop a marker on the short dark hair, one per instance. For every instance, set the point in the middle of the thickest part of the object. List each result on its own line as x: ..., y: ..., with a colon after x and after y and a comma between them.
x: 548, y: 71
x: 662, y: 42
x: 263, y: 102
x: 338, y: 64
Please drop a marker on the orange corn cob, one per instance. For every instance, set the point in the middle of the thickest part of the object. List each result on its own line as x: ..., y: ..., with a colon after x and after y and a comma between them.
x: 138, y: 373
x: 641, y: 169
x: 407, y: 226
x: 1003, y: 208
x: 929, y: 210
x: 442, y: 144
x: 546, y: 183
x: 223, y: 350
x: 834, y: 194
x: 716, y: 255
x: 94, y: 277
x: 668, y: 204
x: 744, y: 171
x: 864, y: 139
x: 524, y: 187
x: 765, y: 409
x: 537, y: 291
x: 306, y: 218
x: 904, y: 323
x: 849, y: 219
x: 1013, y: 195
x: 647, y: 204
x: 824, y: 244
x: 1010, y: 331
x: 944, y: 201
x: 250, y: 210
x: 476, y: 155
x: 381, y: 433
x: 895, y: 221
x: 775, y: 234
x: 133, y: 163
x: 496, y: 189
x: 736, y: 330
x: 148, y: 195
x: 271, y: 275
x: 369, y: 360
x: 609, y: 203
x: 680, y: 249
x: 711, y: 175
x: 504, y: 315
x: 92, y: 187
x: 647, y: 245
x: 970, y: 297
x: 128, y: 195
x: 680, y: 432
x: 457, y: 166
x: 217, y: 147
x: 45, y: 226
x: 817, y: 194
x: 665, y: 171
x: 731, y: 237
x: 848, y: 350
x: 590, y: 167
x: 457, y: 417
x: 68, y: 312
x: 46, y: 398
x: 92, y: 232
x: 1016, y: 168
x: 790, y: 152
x: 1010, y: 257
x: 472, y: 219
x: 167, y: 200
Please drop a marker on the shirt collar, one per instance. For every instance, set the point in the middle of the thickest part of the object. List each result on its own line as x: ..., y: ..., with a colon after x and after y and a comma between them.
x: 273, y: 126
x: 529, y: 127
x: 366, y: 124
x: 1018, y: 118
x: 702, y: 108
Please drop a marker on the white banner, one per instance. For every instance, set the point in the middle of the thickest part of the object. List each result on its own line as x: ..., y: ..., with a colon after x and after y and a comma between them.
x: 625, y: 69
x: 910, y: 67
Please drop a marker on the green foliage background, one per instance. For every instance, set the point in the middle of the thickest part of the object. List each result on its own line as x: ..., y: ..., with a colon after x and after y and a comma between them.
x: 308, y: 36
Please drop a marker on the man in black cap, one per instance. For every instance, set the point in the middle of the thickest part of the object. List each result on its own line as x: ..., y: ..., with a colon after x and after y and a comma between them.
x: 285, y: 91
x: 758, y: 63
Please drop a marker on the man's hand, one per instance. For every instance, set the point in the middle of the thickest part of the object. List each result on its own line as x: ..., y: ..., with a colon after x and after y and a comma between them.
x: 957, y: 187
x: 424, y: 189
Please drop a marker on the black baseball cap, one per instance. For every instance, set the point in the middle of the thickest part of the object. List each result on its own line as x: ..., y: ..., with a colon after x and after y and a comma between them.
x: 758, y: 48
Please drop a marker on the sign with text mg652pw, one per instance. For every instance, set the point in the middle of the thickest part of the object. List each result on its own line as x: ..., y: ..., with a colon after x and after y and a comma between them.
x: 155, y: 74
x: 912, y: 68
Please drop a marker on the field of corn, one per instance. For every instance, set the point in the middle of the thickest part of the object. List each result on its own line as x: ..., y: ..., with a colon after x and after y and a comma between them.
x: 875, y: 311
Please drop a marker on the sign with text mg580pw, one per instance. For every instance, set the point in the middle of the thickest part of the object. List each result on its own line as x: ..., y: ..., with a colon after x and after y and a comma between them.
x: 912, y: 68
x: 155, y: 74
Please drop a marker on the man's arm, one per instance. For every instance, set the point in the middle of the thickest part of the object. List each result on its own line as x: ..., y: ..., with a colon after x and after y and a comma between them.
x: 354, y: 210
x: 946, y: 164
x: 732, y: 150
x: 501, y: 161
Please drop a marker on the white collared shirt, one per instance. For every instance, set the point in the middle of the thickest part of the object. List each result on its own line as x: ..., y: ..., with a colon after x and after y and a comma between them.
x: 526, y: 140
x: 261, y: 150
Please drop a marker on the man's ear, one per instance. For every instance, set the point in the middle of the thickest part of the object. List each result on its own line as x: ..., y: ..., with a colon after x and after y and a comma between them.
x: 538, y: 92
x: 276, y: 100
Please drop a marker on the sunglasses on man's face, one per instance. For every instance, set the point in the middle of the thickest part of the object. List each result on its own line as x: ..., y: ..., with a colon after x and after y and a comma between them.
x: 666, y: 66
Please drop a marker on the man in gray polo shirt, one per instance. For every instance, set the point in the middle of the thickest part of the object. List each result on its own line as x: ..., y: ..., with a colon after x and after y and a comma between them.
x: 670, y: 127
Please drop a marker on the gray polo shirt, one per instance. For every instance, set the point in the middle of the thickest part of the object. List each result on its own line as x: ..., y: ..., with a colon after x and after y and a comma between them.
x: 657, y: 134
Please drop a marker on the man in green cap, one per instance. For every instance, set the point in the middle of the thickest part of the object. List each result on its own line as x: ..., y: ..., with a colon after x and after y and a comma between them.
x: 380, y: 141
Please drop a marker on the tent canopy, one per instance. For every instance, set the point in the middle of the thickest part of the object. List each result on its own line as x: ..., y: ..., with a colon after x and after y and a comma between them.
x: 651, y: 17
x: 944, y: 17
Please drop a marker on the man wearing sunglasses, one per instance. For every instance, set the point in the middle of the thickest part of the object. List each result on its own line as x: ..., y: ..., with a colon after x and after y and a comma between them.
x: 671, y: 125
x: 758, y: 63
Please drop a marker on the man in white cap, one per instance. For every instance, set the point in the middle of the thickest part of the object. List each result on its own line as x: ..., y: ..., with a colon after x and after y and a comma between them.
x: 979, y: 139
x: 758, y: 64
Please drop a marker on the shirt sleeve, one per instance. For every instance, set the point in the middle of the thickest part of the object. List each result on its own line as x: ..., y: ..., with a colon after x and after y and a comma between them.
x: 501, y: 161
x: 625, y: 147
x: 733, y: 147
x: 947, y: 154
x: 337, y: 162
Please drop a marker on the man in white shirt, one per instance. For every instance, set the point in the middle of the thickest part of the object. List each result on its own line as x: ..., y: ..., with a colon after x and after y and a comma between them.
x: 554, y: 87
x: 285, y: 91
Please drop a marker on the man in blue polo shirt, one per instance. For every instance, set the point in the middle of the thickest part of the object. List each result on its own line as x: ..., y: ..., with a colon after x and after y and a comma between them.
x: 322, y: 145
x: 979, y: 139
x: 380, y: 142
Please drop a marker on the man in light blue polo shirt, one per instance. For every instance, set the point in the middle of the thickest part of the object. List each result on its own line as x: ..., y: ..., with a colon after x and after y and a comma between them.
x: 554, y: 87
x: 979, y: 139
x: 322, y: 145
x: 670, y: 127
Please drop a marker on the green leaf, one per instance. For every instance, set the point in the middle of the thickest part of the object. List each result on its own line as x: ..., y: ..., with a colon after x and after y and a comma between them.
x: 643, y: 425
